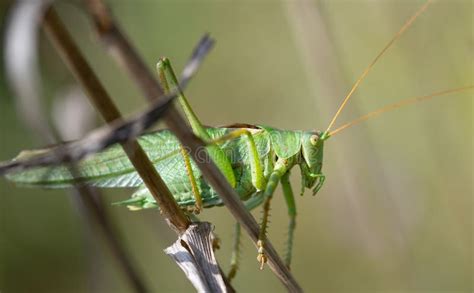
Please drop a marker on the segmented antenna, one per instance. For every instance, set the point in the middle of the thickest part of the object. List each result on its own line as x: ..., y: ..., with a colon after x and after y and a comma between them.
x: 407, y: 24
x: 397, y: 105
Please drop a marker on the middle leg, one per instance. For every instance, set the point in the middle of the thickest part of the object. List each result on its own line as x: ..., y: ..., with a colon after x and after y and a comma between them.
x: 290, y: 203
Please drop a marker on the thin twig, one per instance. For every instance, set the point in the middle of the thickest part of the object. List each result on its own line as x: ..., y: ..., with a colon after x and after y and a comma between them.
x: 97, y: 213
x: 116, y: 131
x: 22, y: 70
x: 104, y: 104
x: 102, y: 101
x: 127, y: 56
x: 94, y: 142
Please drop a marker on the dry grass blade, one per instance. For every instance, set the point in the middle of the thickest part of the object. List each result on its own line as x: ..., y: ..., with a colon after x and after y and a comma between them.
x: 109, y: 111
x: 103, y: 103
x: 127, y: 56
x: 23, y: 74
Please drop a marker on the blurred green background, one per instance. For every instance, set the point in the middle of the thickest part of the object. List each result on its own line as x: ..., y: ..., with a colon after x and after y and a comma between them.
x: 395, y: 214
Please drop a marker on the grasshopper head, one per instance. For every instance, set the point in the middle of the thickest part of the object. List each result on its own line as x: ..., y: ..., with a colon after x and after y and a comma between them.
x: 312, y: 159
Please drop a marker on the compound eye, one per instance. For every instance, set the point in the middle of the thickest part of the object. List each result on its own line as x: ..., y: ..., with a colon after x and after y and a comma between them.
x: 314, y: 139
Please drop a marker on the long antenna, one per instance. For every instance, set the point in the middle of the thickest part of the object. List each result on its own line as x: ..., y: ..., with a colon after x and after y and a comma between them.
x: 397, y: 105
x: 407, y: 24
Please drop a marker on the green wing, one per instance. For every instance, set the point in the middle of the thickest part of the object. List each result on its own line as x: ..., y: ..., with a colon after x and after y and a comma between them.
x: 112, y: 168
x: 237, y: 152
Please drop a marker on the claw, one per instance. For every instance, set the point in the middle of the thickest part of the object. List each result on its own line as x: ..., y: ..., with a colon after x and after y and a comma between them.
x: 197, y: 208
x: 194, y: 209
x: 261, y: 257
x: 216, y: 243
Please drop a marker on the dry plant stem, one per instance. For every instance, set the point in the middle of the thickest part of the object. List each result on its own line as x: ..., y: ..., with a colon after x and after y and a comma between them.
x: 122, y: 50
x: 25, y: 19
x: 98, y: 214
x: 104, y: 104
x: 102, y: 101
x: 128, y: 57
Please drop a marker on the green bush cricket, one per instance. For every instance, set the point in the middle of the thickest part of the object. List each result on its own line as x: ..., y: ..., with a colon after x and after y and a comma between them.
x: 253, y: 159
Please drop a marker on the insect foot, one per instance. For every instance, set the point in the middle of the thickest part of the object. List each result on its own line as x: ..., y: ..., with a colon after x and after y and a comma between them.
x: 216, y: 243
x: 195, y: 209
x: 261, y: 257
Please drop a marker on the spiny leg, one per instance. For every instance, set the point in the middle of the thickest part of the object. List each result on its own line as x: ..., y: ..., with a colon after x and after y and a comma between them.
x: 281, y: 167
x: 261, y: 257
x: 192, y: 180
x: 290, y: 203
